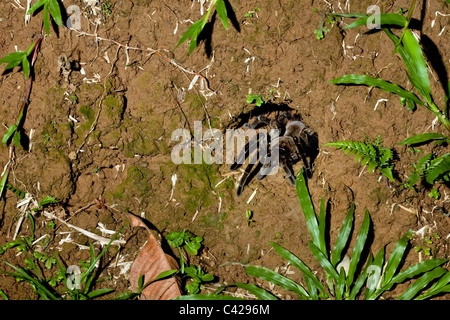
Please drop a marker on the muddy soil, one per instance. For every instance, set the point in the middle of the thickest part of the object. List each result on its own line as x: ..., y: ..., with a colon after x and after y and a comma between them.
x: 106, y: 99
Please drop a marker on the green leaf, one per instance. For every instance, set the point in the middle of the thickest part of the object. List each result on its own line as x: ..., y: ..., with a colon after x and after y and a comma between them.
x: 438, y: 168
x: 379, y: 83
x: 55, y: 11
x: 222, y: 12
x: 260, y: 293
x: 13, y: 59
x: 412, y: 56
x: 16, y: 139
x: 424, y: 138
x: 296, y: 262
x: 358, y: 248
x: 421, y: 283
x: 395, y: 258
x: 46, y: 201
x: 11, y: 130
x: 322, y: 226
x: 384, y: 20
x: 3, y: 182
x: 440, y: 286
x: 277, y: 279
x: 35, y: 6
x: 45, y: 19
x: 192, y: 33
x: 307, y: 208
x: 324, y: 262
x: 343, y: 236
x: 98, y: 293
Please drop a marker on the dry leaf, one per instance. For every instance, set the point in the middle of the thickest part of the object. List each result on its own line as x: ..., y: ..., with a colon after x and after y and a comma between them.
x: 150, y: 262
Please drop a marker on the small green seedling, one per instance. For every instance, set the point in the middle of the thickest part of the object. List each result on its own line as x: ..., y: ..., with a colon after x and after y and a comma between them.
x: 194, y: 31
x: 49, y: 6
x: 256, y: 98
x: 249, y: 217
x: 251, y: 13
x: 191, y: 244
x: 434, y: 194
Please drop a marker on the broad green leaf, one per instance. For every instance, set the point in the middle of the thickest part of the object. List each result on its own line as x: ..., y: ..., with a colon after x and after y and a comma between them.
x: 423, y: 138
x: 307, y: 208
x: 192, y: 33
x: 257, y: 291
x: 421, y: 283
x: 16, y: 139
x: 98, y: 293
x: 277, y: 279
x: 13, y: 59
x: 358, y: 248
x: 324, y: 262
x: 55, y: 11
x: 412, y: 56
x: 35, y: 6
x: 395, y: 258
x: 222, y: 11
x: 45, y: 19
x: 296, y: 262
x: 26, y: 67
x: 343, y: 236
x: 10, y: 132
x: 384, y: 20
x: 379, y: 83
x: 358, y: 284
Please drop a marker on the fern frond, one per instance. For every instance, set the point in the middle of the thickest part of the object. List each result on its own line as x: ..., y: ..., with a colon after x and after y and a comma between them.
x: 438, y: 169
x: 373, y: 155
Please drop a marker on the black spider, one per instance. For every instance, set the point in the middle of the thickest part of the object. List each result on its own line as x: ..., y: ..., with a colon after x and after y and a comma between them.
x: 295, y: 142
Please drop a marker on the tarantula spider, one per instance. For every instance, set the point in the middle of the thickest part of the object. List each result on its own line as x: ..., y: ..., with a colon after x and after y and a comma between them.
x: 295, y: 142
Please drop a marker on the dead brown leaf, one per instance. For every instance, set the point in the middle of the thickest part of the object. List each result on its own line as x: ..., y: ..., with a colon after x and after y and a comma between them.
x: 150, y: 262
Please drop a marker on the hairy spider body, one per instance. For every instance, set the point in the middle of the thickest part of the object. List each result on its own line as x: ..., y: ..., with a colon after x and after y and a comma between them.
x: 295, y: 142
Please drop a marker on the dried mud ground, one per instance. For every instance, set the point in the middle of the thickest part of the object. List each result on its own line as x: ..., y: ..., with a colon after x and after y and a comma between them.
x: 134, y: 100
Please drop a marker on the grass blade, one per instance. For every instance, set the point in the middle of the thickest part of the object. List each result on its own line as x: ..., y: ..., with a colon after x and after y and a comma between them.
x: 322, y: 225
x: 421, y: 283
x: 222, y: 12
x: 439, y: 287
x: 343, y: 236
x: 359, y: 246
x: 257, y: 291
x: 412, y: 56
x: 324, y: 262
x: 415, y: 270
x: 11, y: 130
x: 395, y: 259
x: 55, y: 11
x: 307, y: 208
x: 98, y: 293
x: 276, y: 278
x: 385, y: 19
x: 424, y: 138
x: 296, y: 262
x: 379, y: 83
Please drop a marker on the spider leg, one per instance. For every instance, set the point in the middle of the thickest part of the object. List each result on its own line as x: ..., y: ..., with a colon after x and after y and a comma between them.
x: 245, y: 177
x: 289, y: 172
x: 245, y: 153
